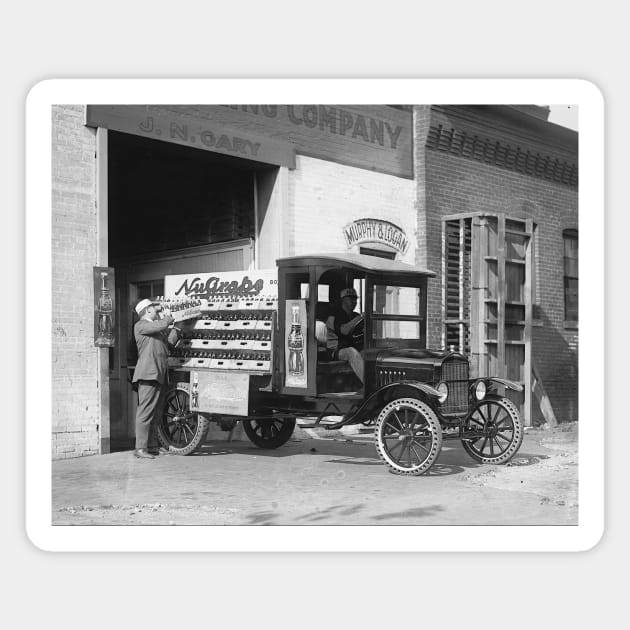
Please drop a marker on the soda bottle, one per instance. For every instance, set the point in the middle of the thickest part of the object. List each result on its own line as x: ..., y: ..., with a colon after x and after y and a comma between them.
x: 194, y: 394
x: 105, y: 308
x: 296, y: 344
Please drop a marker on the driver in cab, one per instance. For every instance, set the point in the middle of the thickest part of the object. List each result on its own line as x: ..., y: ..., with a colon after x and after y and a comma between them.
x: 342, y: 344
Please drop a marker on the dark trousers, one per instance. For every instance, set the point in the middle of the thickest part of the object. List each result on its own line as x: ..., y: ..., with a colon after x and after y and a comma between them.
x: 151, y: 395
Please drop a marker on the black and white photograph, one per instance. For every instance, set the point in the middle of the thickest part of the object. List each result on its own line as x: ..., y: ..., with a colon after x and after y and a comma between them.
x: 324, y: 315
x: 290, y: 315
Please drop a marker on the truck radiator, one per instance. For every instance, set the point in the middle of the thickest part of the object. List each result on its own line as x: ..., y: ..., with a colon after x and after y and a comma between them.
x: 455, y: 374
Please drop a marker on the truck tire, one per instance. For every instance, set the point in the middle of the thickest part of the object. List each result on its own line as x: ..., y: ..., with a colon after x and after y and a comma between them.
x: 270, y: 433
x: 181, y: 431
x: 500, y: 431
x: 408, y: 436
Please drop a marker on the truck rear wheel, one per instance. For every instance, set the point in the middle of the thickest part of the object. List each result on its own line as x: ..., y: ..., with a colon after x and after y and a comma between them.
x: 180, y: 430
x: 408, y: 436
x: 269, y: 433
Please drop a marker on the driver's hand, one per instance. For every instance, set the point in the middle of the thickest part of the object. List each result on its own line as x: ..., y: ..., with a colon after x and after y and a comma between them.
x: 356, y: 321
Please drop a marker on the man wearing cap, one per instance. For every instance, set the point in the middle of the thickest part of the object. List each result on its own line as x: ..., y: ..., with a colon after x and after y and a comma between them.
x: 341, y: 325
x: 153, y: 335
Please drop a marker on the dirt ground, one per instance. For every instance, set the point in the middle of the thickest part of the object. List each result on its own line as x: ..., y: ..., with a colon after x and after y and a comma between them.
x: 322, y: 481
x: 553, y: 476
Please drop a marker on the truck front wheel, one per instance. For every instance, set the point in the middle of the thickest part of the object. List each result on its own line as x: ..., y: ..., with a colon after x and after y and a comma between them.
x: 498, y: 428
x: 408, y: 436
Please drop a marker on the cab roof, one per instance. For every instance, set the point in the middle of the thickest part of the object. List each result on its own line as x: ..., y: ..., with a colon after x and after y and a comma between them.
x: 357, y: 262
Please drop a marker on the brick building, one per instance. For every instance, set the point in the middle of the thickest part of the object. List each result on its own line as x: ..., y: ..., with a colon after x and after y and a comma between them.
x: 485, y: 196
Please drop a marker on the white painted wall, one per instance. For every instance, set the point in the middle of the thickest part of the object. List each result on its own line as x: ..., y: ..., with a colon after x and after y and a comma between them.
x: 325, y: 196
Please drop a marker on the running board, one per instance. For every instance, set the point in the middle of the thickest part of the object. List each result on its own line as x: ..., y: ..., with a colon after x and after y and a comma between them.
x: 318, y: 424
x: 341, y: 395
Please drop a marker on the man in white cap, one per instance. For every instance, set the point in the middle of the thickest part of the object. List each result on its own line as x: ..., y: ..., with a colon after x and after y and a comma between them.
x: 153, y: 336
x: 342, y: 332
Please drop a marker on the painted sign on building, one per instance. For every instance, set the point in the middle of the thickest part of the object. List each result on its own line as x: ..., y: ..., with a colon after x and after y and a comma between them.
x: 376, y: 137
x: 376, y: 231
x: 198, y: 133
x: 234, y: 284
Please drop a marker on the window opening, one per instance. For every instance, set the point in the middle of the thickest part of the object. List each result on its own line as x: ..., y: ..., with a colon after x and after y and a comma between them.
x: 368, y: 251
x: 570, y: 275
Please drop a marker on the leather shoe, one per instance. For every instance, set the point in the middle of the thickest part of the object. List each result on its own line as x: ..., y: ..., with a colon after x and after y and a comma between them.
x: 143, y: 453
x: 160, y: 451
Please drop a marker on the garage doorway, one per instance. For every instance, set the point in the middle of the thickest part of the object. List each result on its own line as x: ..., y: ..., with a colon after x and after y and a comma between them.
x: 171, y: 209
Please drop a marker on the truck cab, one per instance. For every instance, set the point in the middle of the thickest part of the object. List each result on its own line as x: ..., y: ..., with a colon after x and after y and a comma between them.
x: 391, y: 298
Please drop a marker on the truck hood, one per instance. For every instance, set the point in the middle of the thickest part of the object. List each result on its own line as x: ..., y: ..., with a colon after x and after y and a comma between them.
x: 411, y: 356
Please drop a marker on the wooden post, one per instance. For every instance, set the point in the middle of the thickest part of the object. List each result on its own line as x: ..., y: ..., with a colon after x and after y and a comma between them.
x: 102, y: 260
x: 477, y: 297
x: 461, y: 279
x: 501, y: 296
x: 541, y: 396
x: 444, y: 280
x: 527, y: 332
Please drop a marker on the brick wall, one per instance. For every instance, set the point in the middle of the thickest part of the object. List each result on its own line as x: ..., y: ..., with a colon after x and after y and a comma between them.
x: 425, y: 257
x: 456, y: 184
x: 75, y: 396
x: 325, y: 196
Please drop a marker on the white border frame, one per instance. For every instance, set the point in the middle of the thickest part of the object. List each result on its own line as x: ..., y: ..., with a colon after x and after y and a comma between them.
x: 580, y: 537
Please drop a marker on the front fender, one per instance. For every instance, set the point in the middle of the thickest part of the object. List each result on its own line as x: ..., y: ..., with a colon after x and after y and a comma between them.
x: 378, y: 398
x: 517, y: 387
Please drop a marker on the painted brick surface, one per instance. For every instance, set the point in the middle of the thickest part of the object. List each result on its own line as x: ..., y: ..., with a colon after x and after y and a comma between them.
x: 325, y: 196
x: 75, y: 396
x: 455, y: 185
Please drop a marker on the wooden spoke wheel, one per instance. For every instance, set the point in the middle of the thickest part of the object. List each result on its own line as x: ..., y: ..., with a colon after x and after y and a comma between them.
x: 181, y: 430
x: 270, y: 433
x: 498, y: 423
x: 408, y: 436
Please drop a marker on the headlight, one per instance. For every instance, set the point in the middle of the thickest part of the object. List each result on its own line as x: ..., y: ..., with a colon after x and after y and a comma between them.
x: 480, y: 390
x: 442, y: 387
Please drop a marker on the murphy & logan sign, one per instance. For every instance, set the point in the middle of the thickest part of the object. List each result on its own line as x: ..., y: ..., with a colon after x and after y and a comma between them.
x: 376, y: 231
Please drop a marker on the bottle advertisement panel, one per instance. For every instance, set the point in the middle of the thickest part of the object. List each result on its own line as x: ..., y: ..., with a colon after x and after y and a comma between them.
x: 104, y: 307
x: 295, y: 344
x: 219, y: 392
